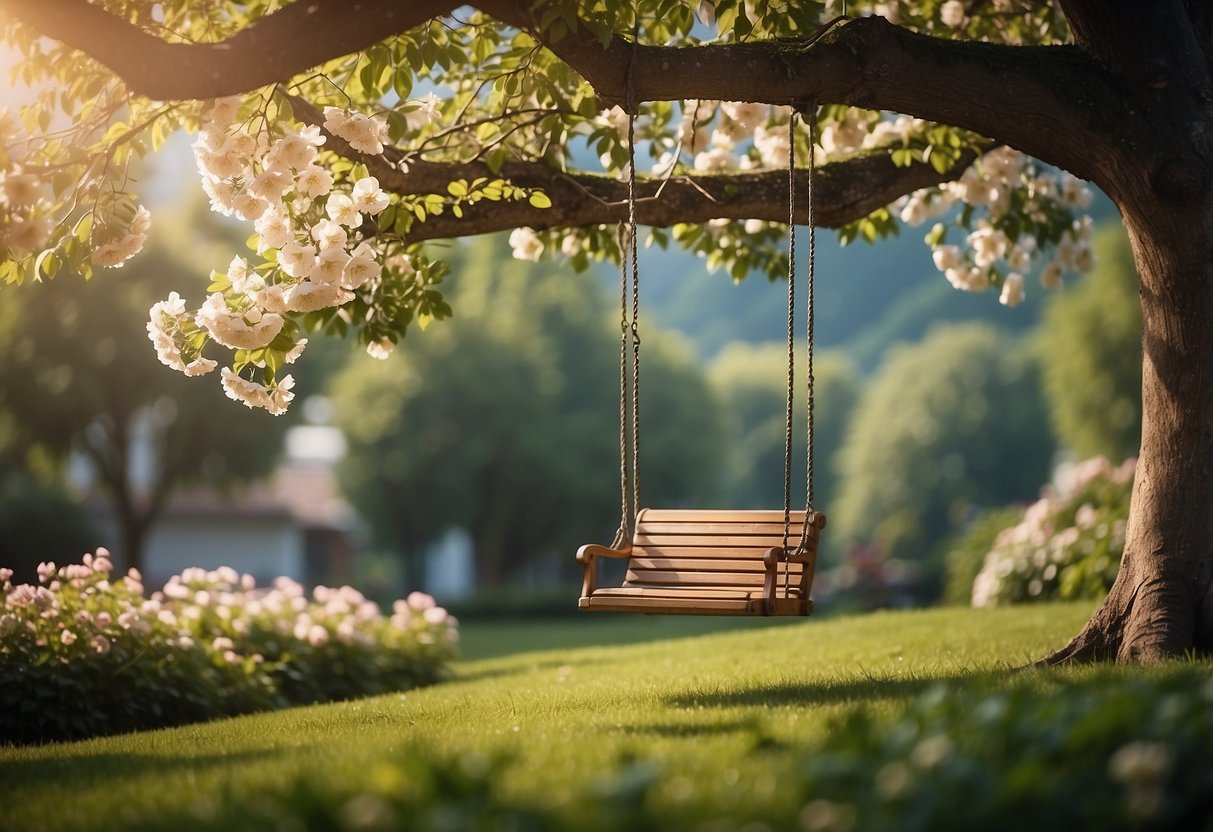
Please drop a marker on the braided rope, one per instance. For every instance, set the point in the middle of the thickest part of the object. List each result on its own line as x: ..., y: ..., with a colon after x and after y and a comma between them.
x: 791, y: 381
x: 809, y: 323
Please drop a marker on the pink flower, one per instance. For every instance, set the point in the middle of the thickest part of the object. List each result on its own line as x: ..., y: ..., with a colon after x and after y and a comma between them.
x: 67, y: 637
x: 46, y: 571
x: 100, y: 644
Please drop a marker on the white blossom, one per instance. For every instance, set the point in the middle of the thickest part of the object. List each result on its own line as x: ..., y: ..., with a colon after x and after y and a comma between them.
x: 340, y: 209
x: 251, y: 394
x: 952, y: 13
x: 20, y: 189
x: 367, y: 197
x: 1012, y: 290
x: 380, y: 349
x: 274, y: 229
x: 297, y: 259
x: 248, y: 330
x: 222, y: 111
x: 772, y: 146
x: 526, y: 244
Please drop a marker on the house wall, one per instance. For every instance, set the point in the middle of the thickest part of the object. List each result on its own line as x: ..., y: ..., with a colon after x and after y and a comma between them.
x: 263, y: 547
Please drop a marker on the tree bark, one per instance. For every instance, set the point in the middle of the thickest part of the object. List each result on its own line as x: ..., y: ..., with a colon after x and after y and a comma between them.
x: 1161, y: 605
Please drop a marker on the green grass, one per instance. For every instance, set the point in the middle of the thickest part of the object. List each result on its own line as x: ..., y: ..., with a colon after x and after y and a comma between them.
x: 730, y: 713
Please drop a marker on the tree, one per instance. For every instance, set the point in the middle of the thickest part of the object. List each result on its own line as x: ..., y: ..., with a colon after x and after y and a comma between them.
x: 954, y: 423
x: 751, y: 382
x: 504, y: 421
x: 1090, y: 346
x: 76, y: 374
x: 1116, y: 93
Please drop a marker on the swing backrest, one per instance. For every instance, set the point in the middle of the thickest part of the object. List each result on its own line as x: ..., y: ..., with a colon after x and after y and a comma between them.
x: 710, y: 549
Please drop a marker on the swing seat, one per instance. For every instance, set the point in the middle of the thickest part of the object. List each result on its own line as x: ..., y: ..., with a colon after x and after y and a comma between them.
x: 704, y: 562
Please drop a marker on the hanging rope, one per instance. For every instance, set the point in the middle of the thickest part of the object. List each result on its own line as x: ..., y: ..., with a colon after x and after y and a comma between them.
x: 629, y: 331
x: 809, y: 327
x: 809, y: 321
x: 791, y: 363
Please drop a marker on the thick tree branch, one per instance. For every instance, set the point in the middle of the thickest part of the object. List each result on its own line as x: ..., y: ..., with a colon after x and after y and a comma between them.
x: 296, y: 38
x: 844, y: 191
x: 1054, y: 103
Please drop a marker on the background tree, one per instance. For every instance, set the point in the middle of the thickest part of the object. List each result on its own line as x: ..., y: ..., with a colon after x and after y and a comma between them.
x: 946, y: 426
x: 1090, y: 347
x: 1123, y: 90
x: 504, y: 421
x: 750, y: 381
x: 76, y: 375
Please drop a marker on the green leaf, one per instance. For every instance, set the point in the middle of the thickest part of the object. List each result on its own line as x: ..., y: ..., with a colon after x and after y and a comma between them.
x: 539, y: 199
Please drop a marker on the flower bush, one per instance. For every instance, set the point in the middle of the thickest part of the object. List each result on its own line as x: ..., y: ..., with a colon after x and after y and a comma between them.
x: 83, y: 653
x: 1068, y: 543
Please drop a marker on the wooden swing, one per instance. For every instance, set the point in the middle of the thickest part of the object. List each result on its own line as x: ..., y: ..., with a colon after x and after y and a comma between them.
x: 709, y: 562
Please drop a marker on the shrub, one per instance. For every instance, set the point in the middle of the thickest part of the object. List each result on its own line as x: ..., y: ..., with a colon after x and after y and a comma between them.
x: 83, y: 655
x: 965, y: 554
x: 1068, y: 543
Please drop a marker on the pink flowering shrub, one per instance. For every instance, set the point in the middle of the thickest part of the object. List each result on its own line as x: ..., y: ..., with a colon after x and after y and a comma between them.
x: 1068, y: 543
x: 83, y: 653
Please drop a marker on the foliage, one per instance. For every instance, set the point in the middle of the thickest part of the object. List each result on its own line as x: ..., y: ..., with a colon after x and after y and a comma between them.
x: 1090, y: 346
x: 966, y: 551
x: 950, y: 424
x: 1066, y: 545
x: 505, y: 421
x: 38, y: 522
x: 751, y: 383
x: 83, y: 654
x: 342, y: 169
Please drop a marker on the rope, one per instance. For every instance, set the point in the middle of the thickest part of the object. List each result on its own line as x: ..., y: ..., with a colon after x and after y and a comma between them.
x: 809, y: 321
x: 623, y: 535
x: 629, y: 330
x: 791, y: 382
x: 635, y: 324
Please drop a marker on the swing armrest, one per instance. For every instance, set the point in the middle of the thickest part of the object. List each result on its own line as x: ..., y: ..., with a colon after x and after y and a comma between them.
x: 587, y: 555
x: 591, y: 550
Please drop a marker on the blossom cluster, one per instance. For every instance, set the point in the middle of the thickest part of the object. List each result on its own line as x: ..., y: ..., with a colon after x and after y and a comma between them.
x: 1067, y: 545
x: 215, y: 634
x: 27, y: 215
x: 316, y: 254
x: 1019, y: 203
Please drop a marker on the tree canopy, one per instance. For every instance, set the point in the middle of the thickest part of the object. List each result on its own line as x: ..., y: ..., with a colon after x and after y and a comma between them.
x: 345, y: 140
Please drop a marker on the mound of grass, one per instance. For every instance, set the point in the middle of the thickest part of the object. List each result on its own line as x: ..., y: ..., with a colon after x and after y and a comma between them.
x: 841, y: 724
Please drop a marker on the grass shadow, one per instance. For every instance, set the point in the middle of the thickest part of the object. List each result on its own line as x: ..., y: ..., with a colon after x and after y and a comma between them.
x: 809, y: 694
x: 99, y: 769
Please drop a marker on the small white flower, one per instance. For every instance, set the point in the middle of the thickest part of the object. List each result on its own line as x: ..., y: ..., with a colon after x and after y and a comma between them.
x: 314, y: 181
x: 952, y: 13
x: 1012, y: 290
x: 368, y: 197
x: 380, y: 349
x: 526, y: 244
x: 297, y: 259
x: 340, y: 209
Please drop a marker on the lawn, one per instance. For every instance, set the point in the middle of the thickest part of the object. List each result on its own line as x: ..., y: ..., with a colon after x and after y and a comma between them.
x: 690, y: 727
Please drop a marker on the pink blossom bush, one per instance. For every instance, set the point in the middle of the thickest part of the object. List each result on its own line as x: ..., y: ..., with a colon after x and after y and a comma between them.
x: 84, y: 653
x: 1068, y: 543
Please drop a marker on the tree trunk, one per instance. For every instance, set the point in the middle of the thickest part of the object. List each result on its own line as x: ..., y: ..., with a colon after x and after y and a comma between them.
x: 1161, y: 604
